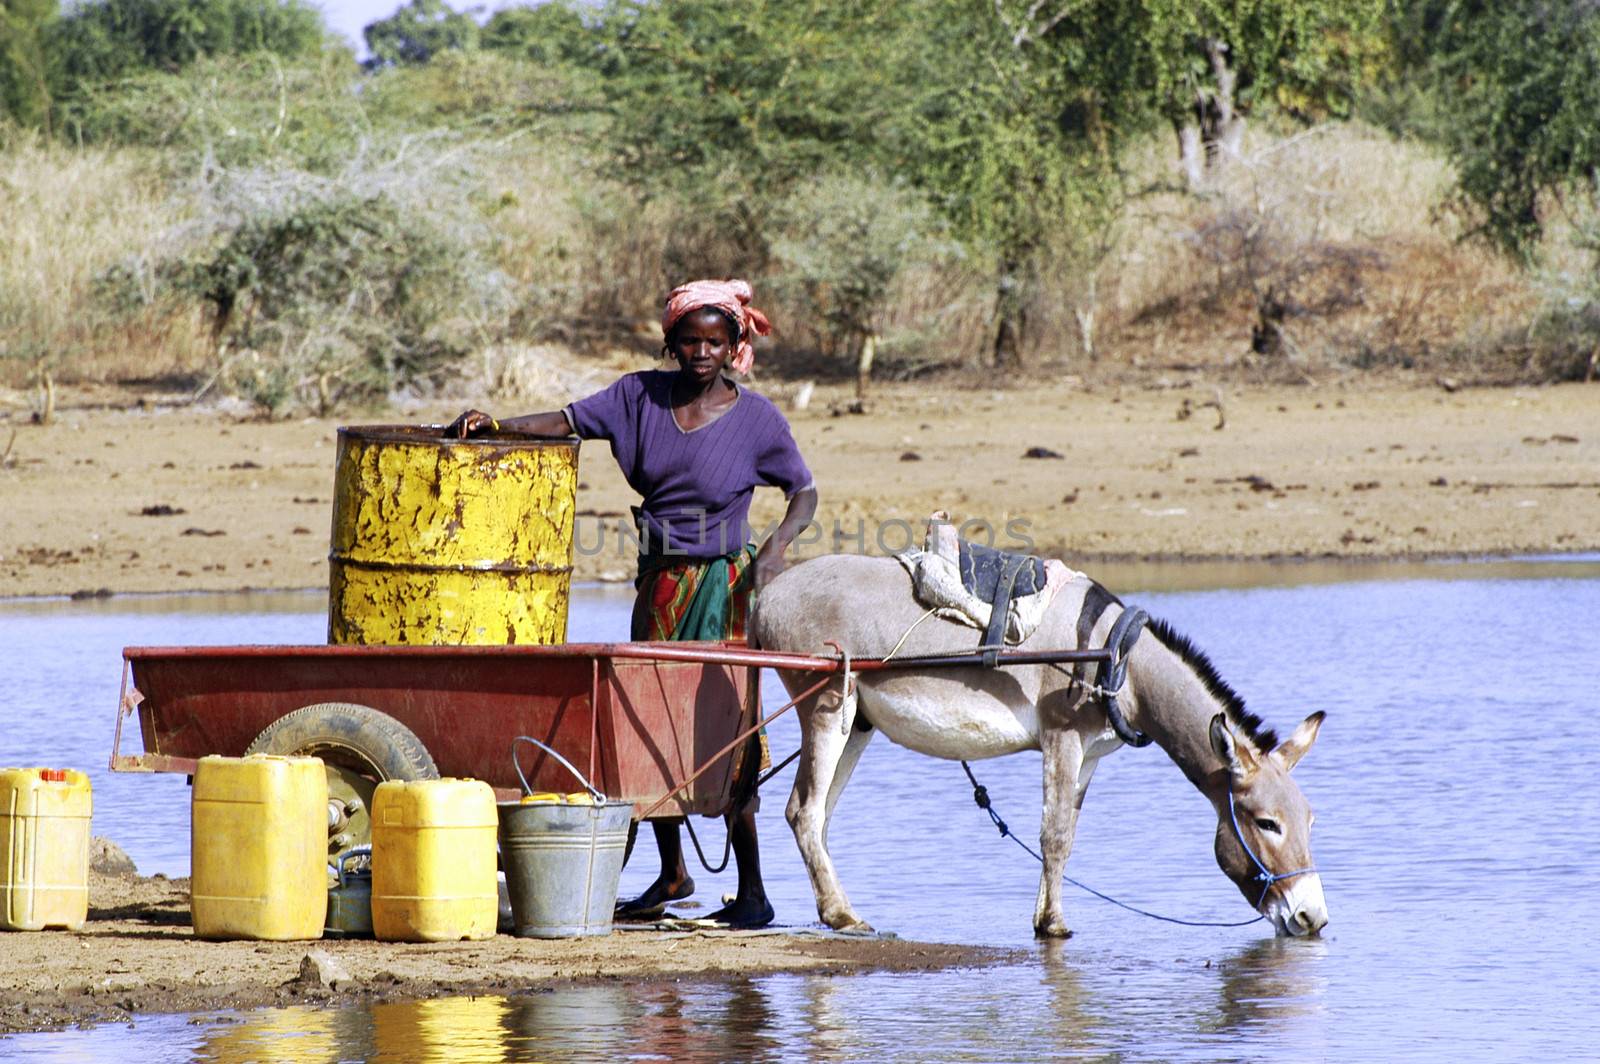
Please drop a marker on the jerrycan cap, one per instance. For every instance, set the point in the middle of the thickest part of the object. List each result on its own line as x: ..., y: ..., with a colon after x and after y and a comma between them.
x: 53, y: 775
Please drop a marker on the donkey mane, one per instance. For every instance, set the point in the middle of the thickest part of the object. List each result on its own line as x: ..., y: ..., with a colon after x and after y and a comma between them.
x: 1262, y: 736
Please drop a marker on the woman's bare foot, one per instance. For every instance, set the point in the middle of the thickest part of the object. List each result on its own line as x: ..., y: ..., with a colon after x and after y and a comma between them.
x: 655, y: 899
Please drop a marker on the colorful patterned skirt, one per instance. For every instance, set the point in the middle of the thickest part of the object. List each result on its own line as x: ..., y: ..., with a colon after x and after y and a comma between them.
x: 702, y: 598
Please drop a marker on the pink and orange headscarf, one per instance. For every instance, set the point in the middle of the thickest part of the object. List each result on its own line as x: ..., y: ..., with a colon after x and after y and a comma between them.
x: 733, y: 299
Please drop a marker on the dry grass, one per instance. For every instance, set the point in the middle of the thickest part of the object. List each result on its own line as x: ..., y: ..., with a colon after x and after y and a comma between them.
x: 1344, y: 192
x: 70, y: 214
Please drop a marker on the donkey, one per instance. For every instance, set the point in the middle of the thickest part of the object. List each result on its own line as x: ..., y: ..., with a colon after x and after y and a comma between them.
x: 1172, y: 694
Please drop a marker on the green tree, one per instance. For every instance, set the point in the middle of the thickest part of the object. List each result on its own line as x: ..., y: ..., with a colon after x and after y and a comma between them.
x: 549, y: 34
x: 750, y: 95
x: 732, y: 105
x: 1017, y: 147
x: 1521, y: 83
x: 107, y: 39
x: 1202, y: 66
x: 418, y: 31
x: 24, y: 76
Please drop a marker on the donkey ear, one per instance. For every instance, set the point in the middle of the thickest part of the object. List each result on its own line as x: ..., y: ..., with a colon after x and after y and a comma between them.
x: 1238, y: 756
x: 1289, y: 752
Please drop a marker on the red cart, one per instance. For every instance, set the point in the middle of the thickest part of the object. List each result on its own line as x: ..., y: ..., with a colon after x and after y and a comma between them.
x: 657, y: 724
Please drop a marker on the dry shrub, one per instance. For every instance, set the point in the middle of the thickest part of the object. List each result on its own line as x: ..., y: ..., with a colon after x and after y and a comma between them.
x: 539, y: 376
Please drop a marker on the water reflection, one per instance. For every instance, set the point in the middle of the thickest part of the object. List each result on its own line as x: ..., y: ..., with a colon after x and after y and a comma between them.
x: 732, y: 1020
x: 1275, y: 983
x: 289, y: 1036
x: 1076, y: 1023
x: 567, y: 1022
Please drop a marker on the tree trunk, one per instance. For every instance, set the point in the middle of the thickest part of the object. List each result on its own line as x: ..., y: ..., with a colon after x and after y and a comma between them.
x: 1010, y: 317
x: 869, y: 350
x: 1191, y: 154
x: 1085, y: 314
x: 1224, y: 132
x: 1266, y: 335
x: 1212, y: 132
x: 47, y: 397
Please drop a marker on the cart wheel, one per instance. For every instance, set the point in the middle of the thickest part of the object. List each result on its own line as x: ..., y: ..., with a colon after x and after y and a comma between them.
x: 360, y: 748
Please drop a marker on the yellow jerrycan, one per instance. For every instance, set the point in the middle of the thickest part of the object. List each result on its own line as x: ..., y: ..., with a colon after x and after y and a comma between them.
x: 433, y: 861
x: 259, y: 848
x: 44, y: 848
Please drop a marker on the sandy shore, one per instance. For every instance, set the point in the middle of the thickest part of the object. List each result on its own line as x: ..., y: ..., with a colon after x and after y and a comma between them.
x: 120, y: 499
x: 138, y: 954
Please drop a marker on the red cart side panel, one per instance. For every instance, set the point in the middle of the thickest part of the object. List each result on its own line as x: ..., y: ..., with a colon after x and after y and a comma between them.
x: 661, y: 721
x: 636, y: 726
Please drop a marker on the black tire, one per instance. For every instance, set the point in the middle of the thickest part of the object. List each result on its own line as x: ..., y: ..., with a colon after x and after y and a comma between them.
x: 352, y: 736
x: 360, y: 748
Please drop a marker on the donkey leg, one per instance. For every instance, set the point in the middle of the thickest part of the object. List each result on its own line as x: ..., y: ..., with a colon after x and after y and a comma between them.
x: 1063, y: 760
x: 822, y: 746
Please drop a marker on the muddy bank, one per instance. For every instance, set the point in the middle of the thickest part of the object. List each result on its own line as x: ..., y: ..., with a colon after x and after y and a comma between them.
x: 139, y: 955
x: 116, y: 498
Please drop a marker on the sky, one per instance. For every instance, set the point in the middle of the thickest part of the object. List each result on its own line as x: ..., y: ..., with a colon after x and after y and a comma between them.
x: 348, y: 17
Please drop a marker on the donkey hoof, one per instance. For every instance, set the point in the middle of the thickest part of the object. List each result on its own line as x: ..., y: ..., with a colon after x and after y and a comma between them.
x: 1052, y: 929
x: 848, y: 922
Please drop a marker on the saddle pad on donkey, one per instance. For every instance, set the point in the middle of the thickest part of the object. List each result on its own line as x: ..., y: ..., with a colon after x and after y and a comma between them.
x: 958, y: 580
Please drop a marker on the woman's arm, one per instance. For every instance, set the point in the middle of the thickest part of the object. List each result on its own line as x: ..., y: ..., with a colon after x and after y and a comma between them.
x: 551, y: 423
x: 769, y: 559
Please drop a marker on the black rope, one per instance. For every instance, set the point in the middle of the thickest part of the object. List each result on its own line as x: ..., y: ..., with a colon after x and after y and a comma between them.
x: 980, y: 795
x: 727, y: 848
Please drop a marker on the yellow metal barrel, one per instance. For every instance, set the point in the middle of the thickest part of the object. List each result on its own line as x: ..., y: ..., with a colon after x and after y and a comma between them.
x: 450, y: 542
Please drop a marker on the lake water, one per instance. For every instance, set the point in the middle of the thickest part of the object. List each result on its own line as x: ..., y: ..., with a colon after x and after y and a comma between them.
x: 1455, y: 786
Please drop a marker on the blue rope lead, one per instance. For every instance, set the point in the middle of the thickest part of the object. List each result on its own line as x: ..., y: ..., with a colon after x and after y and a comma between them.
x: 980, y: 794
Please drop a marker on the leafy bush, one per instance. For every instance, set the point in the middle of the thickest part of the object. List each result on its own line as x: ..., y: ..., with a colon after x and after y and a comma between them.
x: 491, y: 91
x: 551, y: 33
x: 231, y: 112
x: 845, y: 241
x: 339, y: 299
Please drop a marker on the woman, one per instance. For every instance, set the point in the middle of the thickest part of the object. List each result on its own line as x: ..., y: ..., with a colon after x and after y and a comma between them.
x: 696, y: 446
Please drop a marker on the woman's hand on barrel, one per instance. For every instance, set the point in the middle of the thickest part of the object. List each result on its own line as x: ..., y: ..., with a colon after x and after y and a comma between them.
x: 471, y: 423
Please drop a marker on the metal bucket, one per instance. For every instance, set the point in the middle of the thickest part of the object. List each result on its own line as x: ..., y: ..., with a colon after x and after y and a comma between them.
x: 350, y: 897
x: 450, y: 542
x: 563, y: 860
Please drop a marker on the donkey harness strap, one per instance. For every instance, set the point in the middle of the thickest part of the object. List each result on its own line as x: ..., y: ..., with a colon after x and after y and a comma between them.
x: 1111, y: 674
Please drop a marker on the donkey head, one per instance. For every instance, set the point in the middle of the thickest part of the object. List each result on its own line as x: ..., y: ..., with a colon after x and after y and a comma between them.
x: 1264, y: 827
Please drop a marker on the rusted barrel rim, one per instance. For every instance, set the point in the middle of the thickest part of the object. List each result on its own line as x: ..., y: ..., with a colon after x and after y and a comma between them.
x: 434, y: 436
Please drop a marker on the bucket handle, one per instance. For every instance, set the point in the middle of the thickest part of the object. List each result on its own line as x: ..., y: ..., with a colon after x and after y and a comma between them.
x: 527, y: 790
x: 355, y: 852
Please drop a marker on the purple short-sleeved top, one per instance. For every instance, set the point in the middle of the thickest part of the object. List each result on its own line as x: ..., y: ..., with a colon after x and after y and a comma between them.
x: 696, y: 484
